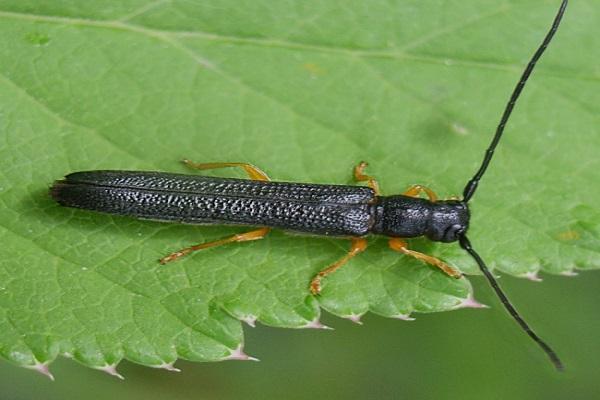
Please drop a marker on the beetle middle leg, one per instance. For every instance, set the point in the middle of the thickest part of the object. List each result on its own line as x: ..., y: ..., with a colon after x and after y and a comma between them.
x: 358, y: 246
x: 401, y: 246
x: 253, y: 171
x: 360, y: 176
x: 237, y: 238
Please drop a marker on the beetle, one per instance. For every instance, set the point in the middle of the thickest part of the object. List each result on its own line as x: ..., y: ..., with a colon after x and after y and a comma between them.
x: 331, y: 210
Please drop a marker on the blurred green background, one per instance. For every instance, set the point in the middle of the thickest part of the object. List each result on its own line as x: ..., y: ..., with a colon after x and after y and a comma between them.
x: 466, y: 354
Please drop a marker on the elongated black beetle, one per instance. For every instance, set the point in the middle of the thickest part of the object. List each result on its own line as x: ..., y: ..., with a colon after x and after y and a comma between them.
x: 331, y: 210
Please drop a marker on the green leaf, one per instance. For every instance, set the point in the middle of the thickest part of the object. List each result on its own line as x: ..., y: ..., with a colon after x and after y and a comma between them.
x: 304, y: 90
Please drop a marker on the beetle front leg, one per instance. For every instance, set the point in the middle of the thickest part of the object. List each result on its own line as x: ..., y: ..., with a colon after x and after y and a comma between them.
x: 401, y: 246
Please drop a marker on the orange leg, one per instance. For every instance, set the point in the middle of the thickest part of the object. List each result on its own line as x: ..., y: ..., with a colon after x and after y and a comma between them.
x: 401, y: 246
x: 240, y: 237
x: 253, y: 172
x: 416, y: 190
x: 360, y: 176
x: 358, y: 246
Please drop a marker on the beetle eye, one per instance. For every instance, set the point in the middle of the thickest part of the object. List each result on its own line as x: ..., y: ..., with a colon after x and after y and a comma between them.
x: 453, y: 231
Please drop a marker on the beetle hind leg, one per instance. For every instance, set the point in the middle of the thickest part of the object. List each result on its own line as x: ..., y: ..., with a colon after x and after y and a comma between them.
x: 255, y: 174
x: 237, y: 238
x: 401, y: 246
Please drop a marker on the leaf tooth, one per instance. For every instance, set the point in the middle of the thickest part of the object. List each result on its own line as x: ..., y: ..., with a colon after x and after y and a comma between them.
x: 570, y: 273
x: 111, y: 369
x: 42, y: 368
x: 168, y: 367
x: 239, y: 354
x: 531, y: 275
x: 316, y: 324
x: 403, y: 317
x: 250, y: 320
x: 354, y: 318
x: 470, y: 302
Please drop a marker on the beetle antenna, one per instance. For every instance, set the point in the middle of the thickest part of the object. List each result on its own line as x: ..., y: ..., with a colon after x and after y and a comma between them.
x: 472, y: 184
x: 465, y: 244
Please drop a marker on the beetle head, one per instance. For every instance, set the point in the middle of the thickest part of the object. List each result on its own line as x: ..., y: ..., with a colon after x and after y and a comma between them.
x: 448, y: 220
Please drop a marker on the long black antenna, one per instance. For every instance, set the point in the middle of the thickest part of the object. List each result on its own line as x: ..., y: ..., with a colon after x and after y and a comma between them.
x: 465, y: 244
x: 472, y: 184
